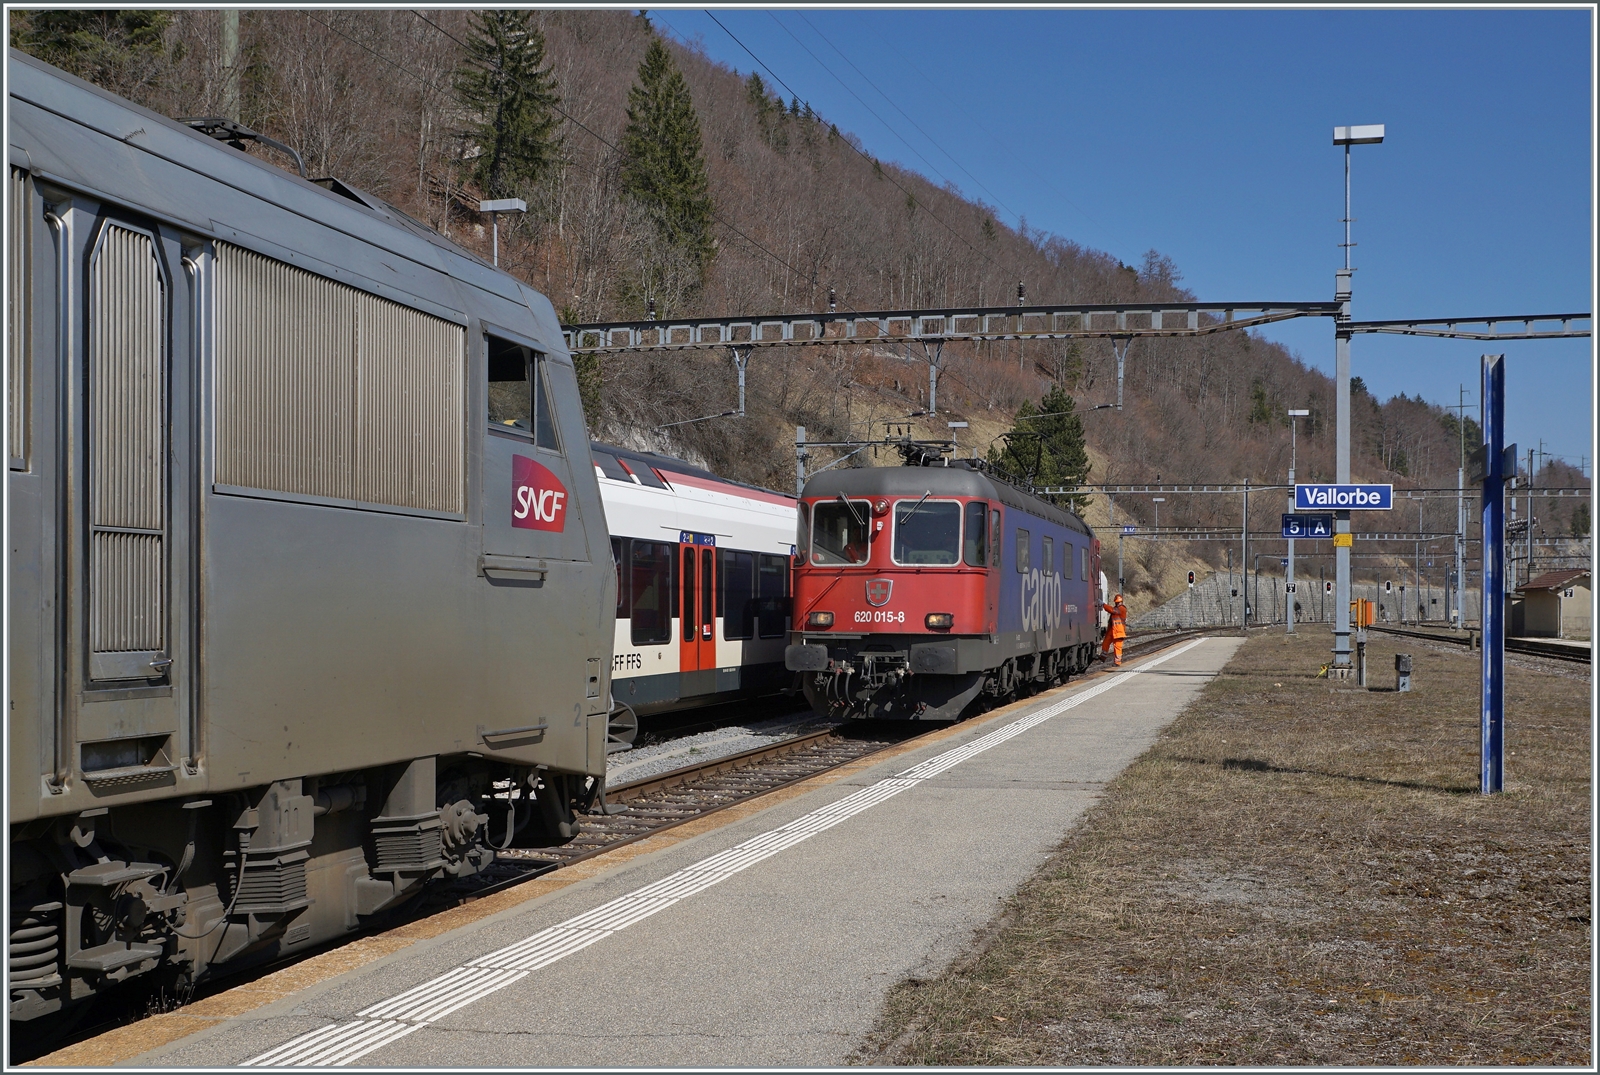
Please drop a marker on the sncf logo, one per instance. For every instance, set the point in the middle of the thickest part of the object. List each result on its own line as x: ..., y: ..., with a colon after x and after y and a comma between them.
x: 538, y: 499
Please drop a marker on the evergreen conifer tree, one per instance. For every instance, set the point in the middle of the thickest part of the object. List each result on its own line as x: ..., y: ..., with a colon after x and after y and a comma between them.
x: 120, y: 50
x: 505, y: 85
x: 664, y: 169
x: 1049, y: 449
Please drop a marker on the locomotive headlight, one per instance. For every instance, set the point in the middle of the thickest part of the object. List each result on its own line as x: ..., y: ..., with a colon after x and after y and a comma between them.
x: 940, y: 621
x: 820, y: 619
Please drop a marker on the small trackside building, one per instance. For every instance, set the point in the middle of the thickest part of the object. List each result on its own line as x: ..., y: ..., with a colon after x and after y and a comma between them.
x: 1557, y: 604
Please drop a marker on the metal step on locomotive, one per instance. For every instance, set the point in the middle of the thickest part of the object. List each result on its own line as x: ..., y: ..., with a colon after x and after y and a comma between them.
x: 926, y: 588
x: 309, y: 593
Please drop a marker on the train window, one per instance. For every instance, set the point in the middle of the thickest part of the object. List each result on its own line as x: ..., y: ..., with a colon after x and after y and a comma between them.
x: 802, y: 541
x: 610, y: 467
x: 645, y: 473
x: 1066, y: 558
x: 976, y: 548
x: 1024, y: 550
x: 1086, y: 562
x: 650, y: 568
x: 927, y: 532
x: 619, y: 557
x: 544, y: 428
x: 519, y: 391
x: 510, y: 390
x: 839, y: 531
x: 708, y: 616
x: 736, y: 596
x: 1047, y: 555
x: 773, y: 593
x: 688, y: 594
x: 994, y: 535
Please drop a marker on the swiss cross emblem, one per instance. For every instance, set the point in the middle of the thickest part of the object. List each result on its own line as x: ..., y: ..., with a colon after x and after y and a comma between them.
x: 878, y: 591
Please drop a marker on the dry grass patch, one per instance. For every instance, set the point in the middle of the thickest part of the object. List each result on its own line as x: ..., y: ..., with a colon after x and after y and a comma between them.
x: 1298, y: 873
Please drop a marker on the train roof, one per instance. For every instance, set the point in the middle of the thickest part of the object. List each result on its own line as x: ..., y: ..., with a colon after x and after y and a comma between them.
x: 148, y: 155
x: 673, y: 465
x: 957, y: 479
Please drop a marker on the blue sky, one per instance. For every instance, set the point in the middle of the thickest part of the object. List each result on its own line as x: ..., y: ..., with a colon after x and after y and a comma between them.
x: 1207, y: 135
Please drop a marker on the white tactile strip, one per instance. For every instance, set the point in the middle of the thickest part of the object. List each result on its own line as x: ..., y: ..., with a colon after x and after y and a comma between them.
x: 388, y: 1021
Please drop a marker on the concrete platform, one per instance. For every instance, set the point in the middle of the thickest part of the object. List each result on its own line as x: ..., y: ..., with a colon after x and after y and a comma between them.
x: 770, y: 941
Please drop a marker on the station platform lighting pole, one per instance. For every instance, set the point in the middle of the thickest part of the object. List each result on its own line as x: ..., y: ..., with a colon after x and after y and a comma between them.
x: 1367, y: 134
x: 494, y: 209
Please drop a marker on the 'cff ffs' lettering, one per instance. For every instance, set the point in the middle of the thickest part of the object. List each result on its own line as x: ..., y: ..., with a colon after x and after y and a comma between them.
x: 539, y: 500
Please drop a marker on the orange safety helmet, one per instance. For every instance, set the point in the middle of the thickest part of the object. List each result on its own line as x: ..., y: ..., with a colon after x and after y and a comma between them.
x: 1117, y: 600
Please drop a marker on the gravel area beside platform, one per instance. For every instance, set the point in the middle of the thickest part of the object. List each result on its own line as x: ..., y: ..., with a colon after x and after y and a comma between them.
x: 654, y: 759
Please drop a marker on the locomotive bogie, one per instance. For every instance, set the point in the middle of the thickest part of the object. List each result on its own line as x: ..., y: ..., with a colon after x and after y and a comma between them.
x: 304, y: 615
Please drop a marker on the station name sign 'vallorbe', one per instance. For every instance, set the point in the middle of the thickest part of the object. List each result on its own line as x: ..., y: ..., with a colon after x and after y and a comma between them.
x: 1344, y: 497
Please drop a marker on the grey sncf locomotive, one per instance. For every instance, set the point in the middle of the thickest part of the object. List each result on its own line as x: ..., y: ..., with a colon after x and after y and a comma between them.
x: 922, y: 590
x: 310, y: 592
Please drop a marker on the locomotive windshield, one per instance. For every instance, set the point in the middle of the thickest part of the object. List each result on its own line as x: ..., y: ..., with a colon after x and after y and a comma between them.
x: 927, y: 532
x: 839, y: 532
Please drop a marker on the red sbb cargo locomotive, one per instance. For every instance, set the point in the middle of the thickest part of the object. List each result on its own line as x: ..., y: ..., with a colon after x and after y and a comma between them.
x: 923, y: 591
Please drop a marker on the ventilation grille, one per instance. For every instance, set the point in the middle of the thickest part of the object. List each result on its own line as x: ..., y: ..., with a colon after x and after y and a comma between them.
x: 127, y: 446
x: 273, y: 886
x: 17, y: 307
x: 326, y: 391
x: 409, y: 848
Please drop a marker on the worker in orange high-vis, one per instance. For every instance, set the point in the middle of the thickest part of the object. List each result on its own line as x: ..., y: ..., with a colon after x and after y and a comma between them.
x: 1118, y: 629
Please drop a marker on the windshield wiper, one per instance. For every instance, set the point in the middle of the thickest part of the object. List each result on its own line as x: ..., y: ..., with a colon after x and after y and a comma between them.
x: 915, y: 506
x: 851, y: 508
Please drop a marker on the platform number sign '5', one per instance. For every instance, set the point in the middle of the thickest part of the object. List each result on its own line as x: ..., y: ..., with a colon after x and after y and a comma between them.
x: 538, y: 499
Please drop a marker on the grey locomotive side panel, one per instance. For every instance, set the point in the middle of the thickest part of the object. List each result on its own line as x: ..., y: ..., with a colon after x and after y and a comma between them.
x: 332, y: 637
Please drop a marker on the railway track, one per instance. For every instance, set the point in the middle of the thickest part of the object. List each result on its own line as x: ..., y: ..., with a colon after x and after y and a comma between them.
x: 1526, y: 646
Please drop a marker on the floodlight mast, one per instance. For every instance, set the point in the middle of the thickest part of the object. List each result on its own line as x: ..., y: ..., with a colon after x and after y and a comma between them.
x: 1366, y: 134
x: 494, y: 209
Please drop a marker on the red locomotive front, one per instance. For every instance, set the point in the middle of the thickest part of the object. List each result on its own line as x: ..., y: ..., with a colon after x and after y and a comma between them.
x: 917, y: 593
x: 895, y: 565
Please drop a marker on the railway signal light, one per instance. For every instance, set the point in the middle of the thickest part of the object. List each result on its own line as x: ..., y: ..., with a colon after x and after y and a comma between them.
x: 1327, y: 587
x: 1388, y: 587
x: 1191, y: 578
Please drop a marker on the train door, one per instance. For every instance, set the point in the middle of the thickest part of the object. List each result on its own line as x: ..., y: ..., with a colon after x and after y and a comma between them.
x: 697, y: 575
x: 129, y: 568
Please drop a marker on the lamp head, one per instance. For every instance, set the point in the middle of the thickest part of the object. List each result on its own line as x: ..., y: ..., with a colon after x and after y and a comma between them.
x: 1364, y: 135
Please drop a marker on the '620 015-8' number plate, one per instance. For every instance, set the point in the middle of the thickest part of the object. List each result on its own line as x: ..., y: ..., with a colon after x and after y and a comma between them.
x: 881, y: 616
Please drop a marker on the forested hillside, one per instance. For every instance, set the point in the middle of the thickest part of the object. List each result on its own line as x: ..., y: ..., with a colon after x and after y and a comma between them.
x: 656, y: 176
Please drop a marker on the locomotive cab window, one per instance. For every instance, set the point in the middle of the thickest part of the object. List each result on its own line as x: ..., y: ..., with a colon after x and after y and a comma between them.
x: 927, y: 532
x: 519, y: 397
x: 839, y: 532
x: 1024, y: 549
x: 975, y: 550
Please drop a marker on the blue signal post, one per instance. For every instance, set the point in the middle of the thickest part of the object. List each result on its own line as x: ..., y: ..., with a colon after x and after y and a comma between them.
x: 1494, y: 605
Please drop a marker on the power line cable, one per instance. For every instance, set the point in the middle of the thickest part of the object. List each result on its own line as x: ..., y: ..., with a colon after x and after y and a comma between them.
x: 902, y: 111
x: 847, y: 142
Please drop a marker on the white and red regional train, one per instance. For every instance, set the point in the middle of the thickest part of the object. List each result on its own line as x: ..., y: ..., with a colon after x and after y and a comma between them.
x: 703, y: 582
